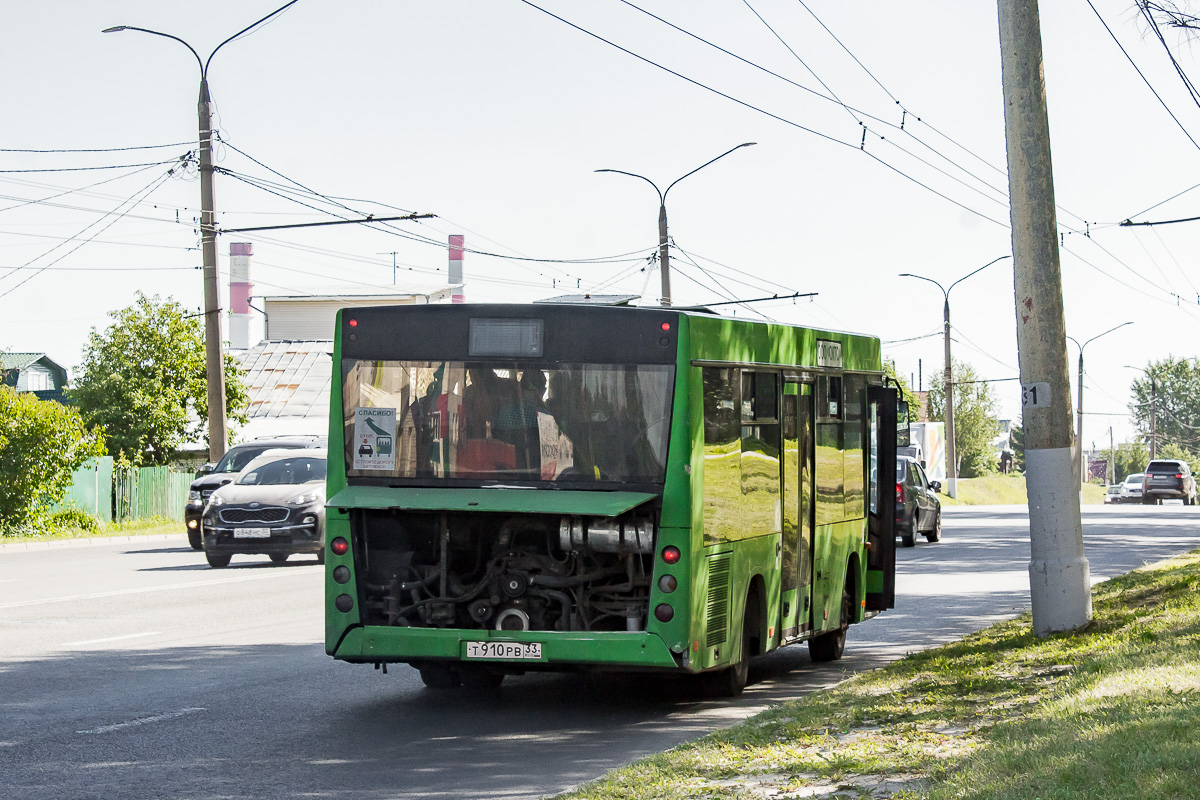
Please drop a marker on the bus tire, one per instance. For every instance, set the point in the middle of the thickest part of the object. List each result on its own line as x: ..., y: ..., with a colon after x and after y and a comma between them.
x: 731, y: 681
x: 438, y: 676
x: 829, y: 646
x: 217, y: 562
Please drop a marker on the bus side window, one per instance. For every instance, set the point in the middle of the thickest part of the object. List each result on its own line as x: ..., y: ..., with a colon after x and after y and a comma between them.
x: 721, y: 481
x: 760, y: 454
x: 830, y: 476
x: 854, y: 466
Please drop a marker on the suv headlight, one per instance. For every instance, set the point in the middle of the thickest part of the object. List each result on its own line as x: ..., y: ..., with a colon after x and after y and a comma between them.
x: 193, y: 497
x: 216, y: 500
x: 307, y: 498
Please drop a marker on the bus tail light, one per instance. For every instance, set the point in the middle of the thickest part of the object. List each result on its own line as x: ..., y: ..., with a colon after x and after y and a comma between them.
x: 664, y: 613
x: 671, y: 554
x: 339, y: 546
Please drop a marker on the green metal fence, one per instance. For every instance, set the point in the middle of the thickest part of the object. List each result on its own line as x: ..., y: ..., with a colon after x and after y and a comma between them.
x: 150, y: 492
x: 91, y: 489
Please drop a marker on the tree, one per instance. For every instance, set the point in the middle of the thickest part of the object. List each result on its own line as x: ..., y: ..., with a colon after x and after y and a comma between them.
x: 975, y: 422
x: 1016, y: 443
x: 1129, y: 458
x: 41, y: 444
x: 144, y: 382
x: 1172, y: 388
x: 907, y: 395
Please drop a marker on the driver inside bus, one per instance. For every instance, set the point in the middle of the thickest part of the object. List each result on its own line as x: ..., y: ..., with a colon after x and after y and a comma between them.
x: 517, y: 422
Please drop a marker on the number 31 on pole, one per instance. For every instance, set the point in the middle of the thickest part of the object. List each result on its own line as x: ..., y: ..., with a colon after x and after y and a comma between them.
x: 1035, y: 395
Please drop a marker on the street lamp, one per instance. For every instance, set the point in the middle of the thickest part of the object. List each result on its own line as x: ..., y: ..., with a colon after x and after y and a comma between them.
x: 951, y: 462
x: 662, y: 217
x: 213, y: 357
x: 1079, y: 414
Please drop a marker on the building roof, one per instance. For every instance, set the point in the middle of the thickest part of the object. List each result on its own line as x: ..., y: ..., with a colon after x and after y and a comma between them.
x: 319, y: 294
x: 20, y: 360
x: 288, y: 383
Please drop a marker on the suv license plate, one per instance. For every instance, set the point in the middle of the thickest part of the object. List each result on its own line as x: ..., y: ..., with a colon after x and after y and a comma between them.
x: 252, y: 533
x: 518, y: 651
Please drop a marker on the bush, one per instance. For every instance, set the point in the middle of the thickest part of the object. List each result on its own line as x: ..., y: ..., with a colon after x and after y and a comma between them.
x: 72, y: 519
x: 41, y: 444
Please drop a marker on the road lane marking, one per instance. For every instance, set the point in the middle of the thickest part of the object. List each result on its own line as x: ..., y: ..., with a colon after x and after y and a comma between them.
x: 133, y: 723
x: 291, y: 572
x: 112, y: 639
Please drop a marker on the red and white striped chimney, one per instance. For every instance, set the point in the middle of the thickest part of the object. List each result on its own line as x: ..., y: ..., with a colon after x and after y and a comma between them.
x: 456, y: 267
x: 240, y: 290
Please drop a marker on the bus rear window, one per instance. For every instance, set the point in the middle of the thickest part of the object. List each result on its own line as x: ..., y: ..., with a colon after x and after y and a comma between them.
x: 507, y: 421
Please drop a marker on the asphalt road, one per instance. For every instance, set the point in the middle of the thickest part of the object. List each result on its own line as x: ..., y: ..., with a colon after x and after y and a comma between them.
x: 130, y: 669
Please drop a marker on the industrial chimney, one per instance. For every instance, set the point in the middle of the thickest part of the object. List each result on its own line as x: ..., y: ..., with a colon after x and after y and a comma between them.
x: 239, y: 295
x: 456, y: 267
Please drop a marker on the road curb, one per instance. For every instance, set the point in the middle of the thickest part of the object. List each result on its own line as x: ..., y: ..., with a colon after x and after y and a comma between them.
x: 89, y: 541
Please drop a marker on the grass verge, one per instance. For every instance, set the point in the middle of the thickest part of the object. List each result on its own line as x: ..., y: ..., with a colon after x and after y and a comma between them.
x: 135, y: 527
x: 1005, y: 490
x: 1106, y: 713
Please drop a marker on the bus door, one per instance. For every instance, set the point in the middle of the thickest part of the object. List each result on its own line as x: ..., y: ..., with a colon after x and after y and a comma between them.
x: 883, y: 410
x: 796, y: 567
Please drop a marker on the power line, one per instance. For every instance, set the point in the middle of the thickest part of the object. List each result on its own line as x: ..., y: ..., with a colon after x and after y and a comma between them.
x: 96, y: 149
x: 92, y: 169
x: 132, y: 201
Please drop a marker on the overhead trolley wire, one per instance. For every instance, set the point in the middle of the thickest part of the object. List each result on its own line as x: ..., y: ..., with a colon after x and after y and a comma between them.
x: 1145, y: 80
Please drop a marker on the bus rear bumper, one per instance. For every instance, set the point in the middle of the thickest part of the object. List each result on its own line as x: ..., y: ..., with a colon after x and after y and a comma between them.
x: 566, y: 651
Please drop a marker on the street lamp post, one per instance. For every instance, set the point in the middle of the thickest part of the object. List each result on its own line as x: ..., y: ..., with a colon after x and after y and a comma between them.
x: 1079, y: 467
x: 663, y: 258
x: 213, y: 353
x: 948, y: 374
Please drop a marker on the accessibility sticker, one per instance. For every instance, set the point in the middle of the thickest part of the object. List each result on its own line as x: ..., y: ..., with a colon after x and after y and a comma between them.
x: 374, y: 444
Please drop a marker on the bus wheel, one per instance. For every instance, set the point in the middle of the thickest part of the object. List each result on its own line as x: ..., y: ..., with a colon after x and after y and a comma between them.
x: 730, y: 681
x: 438, y: 676
x: 829, y: 646
x: 216, y: 562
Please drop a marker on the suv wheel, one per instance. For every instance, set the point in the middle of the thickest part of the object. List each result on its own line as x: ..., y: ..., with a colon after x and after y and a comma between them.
x: 217, y: 561
x: 194, y: 539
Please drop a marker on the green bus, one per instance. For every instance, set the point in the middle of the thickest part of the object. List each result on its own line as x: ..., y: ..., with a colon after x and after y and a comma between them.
x: 586, y: 487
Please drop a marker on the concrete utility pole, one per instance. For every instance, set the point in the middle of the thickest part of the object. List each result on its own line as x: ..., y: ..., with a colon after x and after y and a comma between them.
x: 1153, y: 419
x: 664, y: 261
x: 1059, y: 581
x: 214, y: 359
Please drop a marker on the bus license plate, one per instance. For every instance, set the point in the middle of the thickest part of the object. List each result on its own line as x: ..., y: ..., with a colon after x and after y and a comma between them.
x: 513, y: 651
x: 252, y: 533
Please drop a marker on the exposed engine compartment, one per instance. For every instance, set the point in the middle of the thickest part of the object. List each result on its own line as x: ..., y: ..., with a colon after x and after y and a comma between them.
x: 512, y: 572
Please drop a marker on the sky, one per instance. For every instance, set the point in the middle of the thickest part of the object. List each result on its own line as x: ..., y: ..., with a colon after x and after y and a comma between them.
x: 879, y: 150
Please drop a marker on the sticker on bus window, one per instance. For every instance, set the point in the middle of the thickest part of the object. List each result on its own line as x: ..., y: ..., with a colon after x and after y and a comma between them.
x: 557, y: 452
x: 374, y: 445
